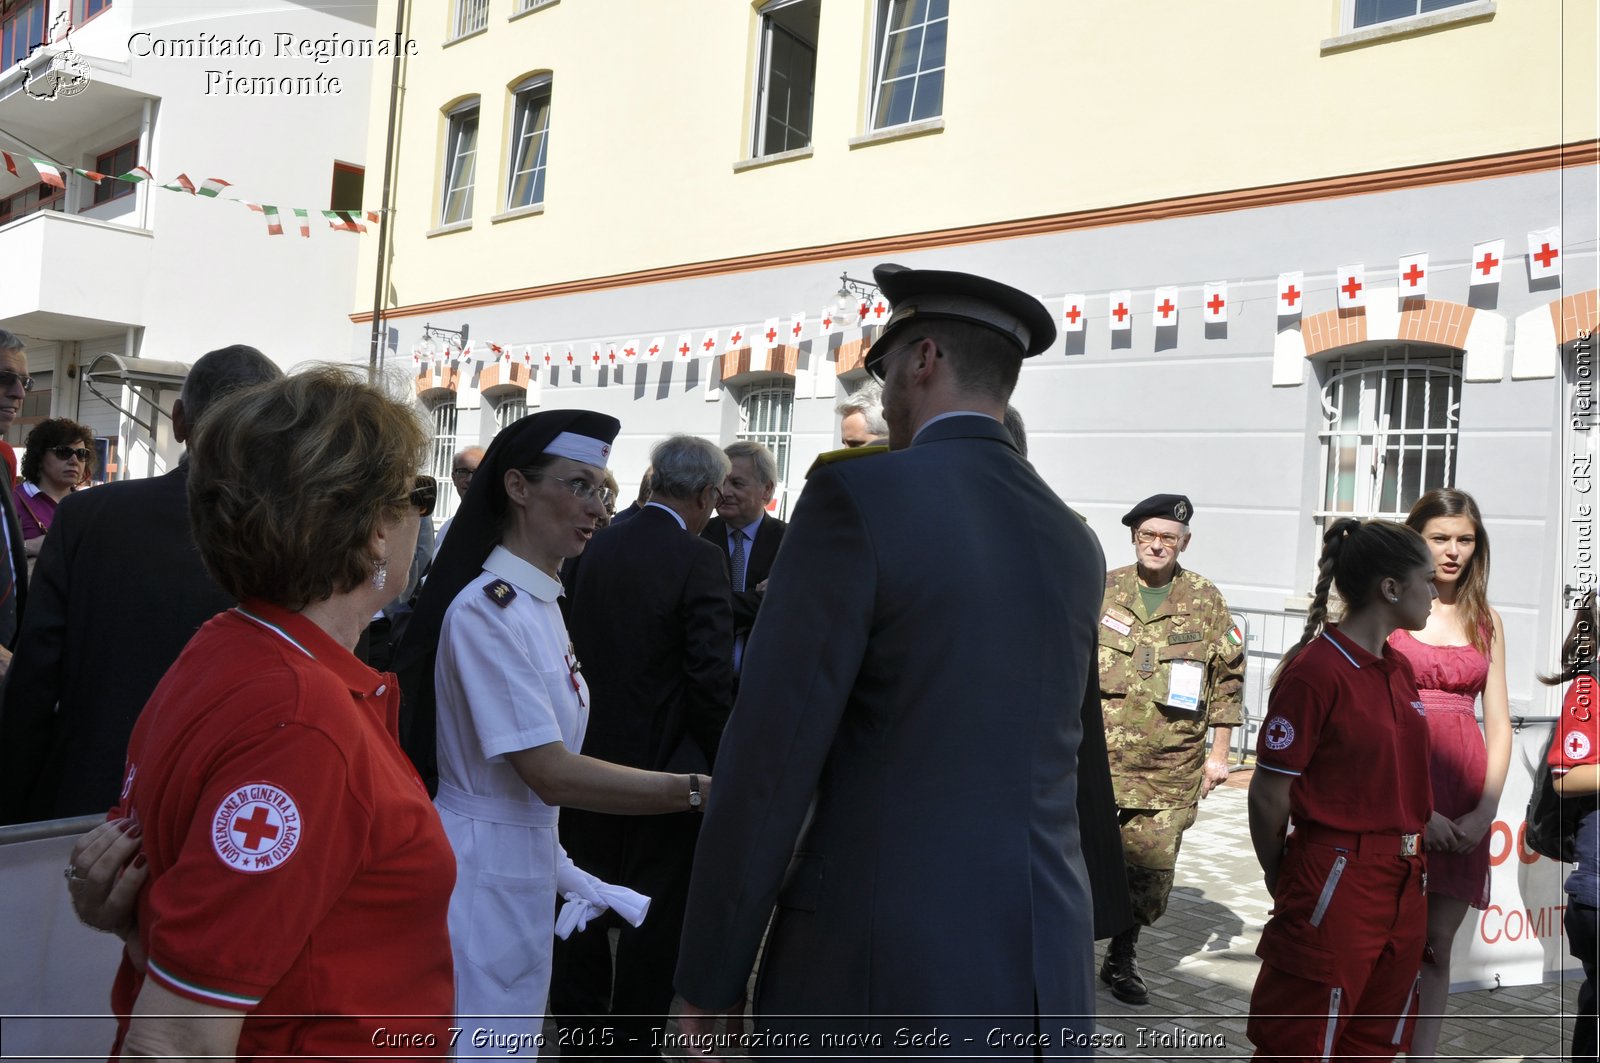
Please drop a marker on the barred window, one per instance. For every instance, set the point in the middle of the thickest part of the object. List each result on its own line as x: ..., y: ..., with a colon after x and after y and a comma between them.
x: 1389, y: 431
x: 766, y: 415
x: 470, y: 17
x: 442, y: 457
x: 509, y: 412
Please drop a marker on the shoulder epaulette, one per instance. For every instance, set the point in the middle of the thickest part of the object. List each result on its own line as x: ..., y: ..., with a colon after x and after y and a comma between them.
x: 830, y: 457
x: 500, y: 592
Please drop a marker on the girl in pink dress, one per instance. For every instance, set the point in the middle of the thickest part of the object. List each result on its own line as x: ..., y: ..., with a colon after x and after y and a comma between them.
x: 1458, y: 656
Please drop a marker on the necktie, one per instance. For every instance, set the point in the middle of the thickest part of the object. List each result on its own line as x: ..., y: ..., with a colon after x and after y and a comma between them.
x: 738, y: 559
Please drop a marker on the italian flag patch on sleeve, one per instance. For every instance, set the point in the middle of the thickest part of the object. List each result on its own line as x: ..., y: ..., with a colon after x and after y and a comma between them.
x: 1234, y: 636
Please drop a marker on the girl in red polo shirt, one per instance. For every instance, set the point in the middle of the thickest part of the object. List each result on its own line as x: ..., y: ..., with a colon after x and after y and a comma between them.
x: 1344, y: 754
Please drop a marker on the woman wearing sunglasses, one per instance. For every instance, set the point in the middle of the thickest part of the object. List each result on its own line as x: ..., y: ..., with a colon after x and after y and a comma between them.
x: 56, y: 460
x: 294, y: 880
x: 489, y: 643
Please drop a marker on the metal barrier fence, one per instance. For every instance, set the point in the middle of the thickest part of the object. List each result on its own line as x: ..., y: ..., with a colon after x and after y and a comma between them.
x: 1267, y: 634
x: 55, y: 986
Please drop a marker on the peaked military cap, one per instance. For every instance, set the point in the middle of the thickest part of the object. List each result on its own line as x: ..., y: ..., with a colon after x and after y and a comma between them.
x: 919, y: 294
x: 1168, y: 507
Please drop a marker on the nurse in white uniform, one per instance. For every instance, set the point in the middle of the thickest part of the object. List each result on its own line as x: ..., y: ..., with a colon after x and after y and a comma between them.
x: 511, y: 710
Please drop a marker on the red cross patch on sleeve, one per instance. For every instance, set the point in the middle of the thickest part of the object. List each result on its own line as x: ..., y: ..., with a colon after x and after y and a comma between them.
x: 256, y: 828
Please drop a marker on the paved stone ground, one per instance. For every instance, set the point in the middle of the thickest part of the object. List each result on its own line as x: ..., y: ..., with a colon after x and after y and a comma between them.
x: 1200, y: 964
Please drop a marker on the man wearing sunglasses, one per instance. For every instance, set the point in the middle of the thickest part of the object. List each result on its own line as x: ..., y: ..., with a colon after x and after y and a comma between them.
x: 899, y: 774
x: 1171, y: 668
x: 118, y: 590
x: 14, y: 385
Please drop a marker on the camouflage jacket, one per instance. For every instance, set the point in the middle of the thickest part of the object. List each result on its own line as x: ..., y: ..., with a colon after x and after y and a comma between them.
x: 1158, y: 753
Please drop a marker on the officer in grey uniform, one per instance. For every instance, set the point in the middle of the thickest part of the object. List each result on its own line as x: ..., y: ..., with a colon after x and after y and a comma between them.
x: 1171, y: 669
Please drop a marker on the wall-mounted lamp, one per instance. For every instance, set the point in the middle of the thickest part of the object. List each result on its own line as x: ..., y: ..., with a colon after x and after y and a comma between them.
x: 851, y: 295
x: 428, y: 346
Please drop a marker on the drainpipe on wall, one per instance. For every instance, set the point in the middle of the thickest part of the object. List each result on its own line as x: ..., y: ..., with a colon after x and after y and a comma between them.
x: 381, y: 267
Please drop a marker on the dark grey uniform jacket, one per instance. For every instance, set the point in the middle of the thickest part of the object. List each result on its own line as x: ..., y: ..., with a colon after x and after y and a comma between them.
x: 919, y: 668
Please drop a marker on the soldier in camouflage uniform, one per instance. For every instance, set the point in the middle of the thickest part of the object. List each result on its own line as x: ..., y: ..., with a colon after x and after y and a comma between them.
x: 1171, y: 668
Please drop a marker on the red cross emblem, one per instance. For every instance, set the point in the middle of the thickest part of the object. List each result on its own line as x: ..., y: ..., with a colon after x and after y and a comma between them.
x: 1073, y: 314
x: 628, y: 352
x: 1216, y: 304
x: 711, y: 341
x: 1166, y: 308
x: 880, y: 308
x: 772, y: 334
x: 1413, y: 275
x: 1119, y: 313
x: 797, y: 328
x: 827, y: 322
x: 1279, y: 733
x: 735, y: 338
x: 1577, y: 745
x: 1290, y: 294
x: 1488, y: 263
x: 1351, y: 287
x: 1546, y: 255
x: 653, y: 351
x: 683, y: 351
x: 256, y: 828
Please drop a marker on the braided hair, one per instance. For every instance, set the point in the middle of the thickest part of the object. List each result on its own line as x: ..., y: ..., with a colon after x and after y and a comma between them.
x: 1356, y: 556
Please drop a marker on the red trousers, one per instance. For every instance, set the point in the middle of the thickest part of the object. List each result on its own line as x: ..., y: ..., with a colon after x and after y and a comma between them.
x: 1342, y: 952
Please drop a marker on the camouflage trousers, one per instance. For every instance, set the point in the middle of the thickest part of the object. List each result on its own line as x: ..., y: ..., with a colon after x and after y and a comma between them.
x: 1150, y: 841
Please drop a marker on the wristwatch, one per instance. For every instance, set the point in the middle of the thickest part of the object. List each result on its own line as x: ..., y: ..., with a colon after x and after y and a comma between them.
x: 695, y: 800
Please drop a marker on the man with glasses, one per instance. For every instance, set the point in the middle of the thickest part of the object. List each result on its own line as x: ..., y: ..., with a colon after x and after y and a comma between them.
x: 1171, y: 668
x: 899, y: 776
x: 117, y: 593
x: 747, y: 534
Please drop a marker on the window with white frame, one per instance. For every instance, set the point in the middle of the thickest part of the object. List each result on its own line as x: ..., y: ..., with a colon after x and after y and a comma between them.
x: 470, y: 16
x: 766, y: 416
x: 787, y: 75
x: 460, y: 163
x: 442, y: 457
x: 530, y: 142
x: 509, y: 412
x: 908, y: 78
x: 1389, y: 430
x: 1373, y: 12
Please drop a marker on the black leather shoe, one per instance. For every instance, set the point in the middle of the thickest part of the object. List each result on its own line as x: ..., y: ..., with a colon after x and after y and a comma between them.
x: 1120, y: 970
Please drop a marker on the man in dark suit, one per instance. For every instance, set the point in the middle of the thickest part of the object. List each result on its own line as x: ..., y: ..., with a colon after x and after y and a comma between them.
x: 118, y: 591
x: 651, y: 622
x: 746, y: 533
x: 14, y: 386
x: 913, y: 699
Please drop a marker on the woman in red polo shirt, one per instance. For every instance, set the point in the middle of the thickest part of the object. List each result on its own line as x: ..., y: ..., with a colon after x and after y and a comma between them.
x: 298, y: 876
x: 1344, y: 753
